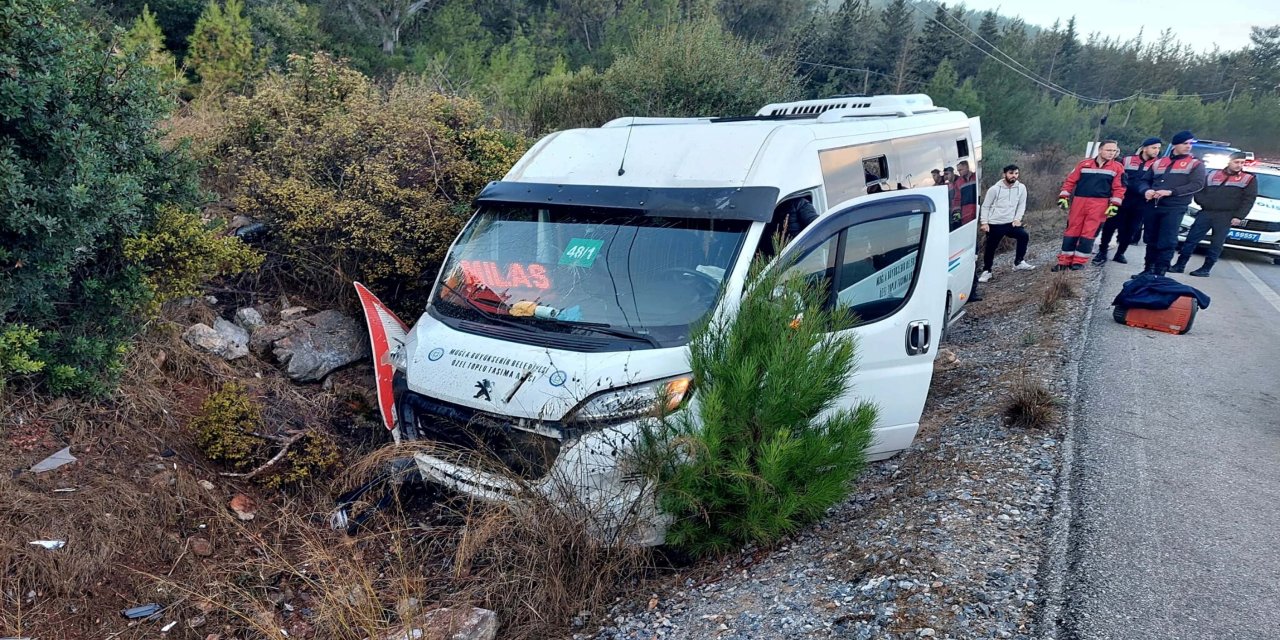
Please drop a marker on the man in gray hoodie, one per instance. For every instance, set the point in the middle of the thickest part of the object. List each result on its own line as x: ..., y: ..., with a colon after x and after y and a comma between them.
x: 1001, y: 216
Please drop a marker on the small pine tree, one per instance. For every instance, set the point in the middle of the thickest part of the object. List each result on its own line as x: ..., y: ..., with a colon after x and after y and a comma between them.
x: 221, y: 49
x: 146, y: 40
x: 759, y: 455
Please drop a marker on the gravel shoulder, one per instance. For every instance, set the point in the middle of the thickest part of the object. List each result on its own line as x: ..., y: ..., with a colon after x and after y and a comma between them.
x: 945, y: 540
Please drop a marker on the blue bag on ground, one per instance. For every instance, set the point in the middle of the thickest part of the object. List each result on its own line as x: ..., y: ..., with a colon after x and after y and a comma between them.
x: 1156, y: 292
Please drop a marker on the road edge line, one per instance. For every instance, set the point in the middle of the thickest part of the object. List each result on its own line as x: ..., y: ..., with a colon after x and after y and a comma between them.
x: 1054, y: 566
x: 1262, y: 288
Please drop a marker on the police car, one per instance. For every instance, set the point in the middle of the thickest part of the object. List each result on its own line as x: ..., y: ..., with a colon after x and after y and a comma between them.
x: 1213, y: 153
x: 1261, y: 230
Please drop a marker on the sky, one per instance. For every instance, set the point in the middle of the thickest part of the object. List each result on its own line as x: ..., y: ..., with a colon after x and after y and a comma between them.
x: 1198, y: 23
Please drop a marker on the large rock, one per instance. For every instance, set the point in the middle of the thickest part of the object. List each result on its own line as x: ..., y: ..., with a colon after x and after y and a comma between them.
x: 319, y: 344
x: 223, y: 339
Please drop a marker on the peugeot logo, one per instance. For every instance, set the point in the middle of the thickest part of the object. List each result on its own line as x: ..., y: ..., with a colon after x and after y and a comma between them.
x: 484, y: 388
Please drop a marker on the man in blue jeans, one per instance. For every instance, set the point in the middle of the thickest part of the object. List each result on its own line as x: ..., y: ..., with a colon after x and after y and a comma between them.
x: 1168, y: 184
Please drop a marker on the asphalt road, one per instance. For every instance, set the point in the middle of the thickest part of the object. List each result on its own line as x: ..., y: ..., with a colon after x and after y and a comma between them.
x: 1175, y: 490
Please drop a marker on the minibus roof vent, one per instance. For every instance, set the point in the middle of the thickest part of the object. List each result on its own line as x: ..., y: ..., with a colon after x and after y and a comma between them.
x: 833, y: 109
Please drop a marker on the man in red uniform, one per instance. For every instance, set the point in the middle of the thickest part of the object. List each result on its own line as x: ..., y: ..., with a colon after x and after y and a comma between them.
x: 1096, y: 189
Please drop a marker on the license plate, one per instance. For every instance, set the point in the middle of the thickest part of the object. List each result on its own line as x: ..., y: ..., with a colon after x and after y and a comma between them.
x: 1250, y: 236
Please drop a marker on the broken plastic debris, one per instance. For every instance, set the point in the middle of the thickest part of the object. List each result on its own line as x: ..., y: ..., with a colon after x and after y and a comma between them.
x: 167, y: 627
x: 141, y: 611
x: 64, y: 490
x: 50, y: 544
x: 54, y: 461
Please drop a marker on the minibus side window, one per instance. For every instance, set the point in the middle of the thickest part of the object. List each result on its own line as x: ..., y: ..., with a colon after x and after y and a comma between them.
x: 876, y: 169
x: 817, y: 267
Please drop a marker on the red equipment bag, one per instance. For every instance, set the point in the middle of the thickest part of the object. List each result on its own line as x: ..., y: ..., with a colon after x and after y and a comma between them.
x: 1177, y: 319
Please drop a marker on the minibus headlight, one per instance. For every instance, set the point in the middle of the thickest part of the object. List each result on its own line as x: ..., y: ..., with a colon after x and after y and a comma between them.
x: 653, y: 399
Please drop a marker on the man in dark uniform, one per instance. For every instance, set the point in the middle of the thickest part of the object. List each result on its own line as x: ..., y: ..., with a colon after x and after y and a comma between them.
x: 1227, y: 198
x: 1168, y: 184
x: 1124, y: 225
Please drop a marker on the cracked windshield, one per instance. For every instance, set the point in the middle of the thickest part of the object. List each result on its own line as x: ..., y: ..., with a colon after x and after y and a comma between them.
x: 576, y: 269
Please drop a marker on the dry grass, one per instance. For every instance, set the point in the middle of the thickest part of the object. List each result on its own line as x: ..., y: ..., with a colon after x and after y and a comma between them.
x: 1031, y: 405
x: 139, y: 505
x: 538, y: 566
x: 1060, y: 288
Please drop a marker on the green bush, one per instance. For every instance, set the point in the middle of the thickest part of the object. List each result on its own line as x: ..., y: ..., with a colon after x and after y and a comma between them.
x: 221, y: 49
x: 359, y: 182
x: 226, y: 428
x: 82, y: 171
x: 230, y: 429
x: 758, y: 456
x: 18, y: 345
x: 181, y: 252
x: 687, y: 68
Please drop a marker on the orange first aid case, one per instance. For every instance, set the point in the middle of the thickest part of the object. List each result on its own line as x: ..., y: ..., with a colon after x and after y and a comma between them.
x: 1177, y: 319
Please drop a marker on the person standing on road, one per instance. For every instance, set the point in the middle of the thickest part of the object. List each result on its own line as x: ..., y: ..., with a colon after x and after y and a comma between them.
x: 1095, y: 188
x: 1124, y: 225
x: 1227, y: 198
x: 1002, y: 211
x: 1168, y: 183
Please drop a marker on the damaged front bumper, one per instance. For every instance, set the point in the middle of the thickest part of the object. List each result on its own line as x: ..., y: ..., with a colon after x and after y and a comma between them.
x: 494, y: 459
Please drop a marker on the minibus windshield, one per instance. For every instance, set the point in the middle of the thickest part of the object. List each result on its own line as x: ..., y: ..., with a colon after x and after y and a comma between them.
x: 641, y: 280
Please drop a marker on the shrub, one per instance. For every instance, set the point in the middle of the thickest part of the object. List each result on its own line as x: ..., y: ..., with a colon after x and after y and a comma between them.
x: 83, y: 171
x: 228, y: 426
x: 1031, y: 405
x: 358, y: 181
x: 181, y: 252
x: 221, y: 48
x: 754, y: 461
x: 687, y: 68
x: 18, y: 344
x: 1059, y: 289
x: 146, y: 40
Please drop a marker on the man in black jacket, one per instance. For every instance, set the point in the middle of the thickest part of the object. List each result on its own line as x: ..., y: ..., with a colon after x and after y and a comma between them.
x: 1168, y: 184
x: 1227, y: 198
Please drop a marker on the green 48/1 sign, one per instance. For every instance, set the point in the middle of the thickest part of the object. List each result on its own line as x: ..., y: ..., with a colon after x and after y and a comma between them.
x: 581, y: 252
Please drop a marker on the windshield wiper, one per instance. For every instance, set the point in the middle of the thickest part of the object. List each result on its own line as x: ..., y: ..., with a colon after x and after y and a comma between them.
x: 493, y: 318
x: 606, y: 329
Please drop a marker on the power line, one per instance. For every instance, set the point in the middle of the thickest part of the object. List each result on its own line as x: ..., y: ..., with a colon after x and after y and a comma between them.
x: 1140, y: 94
x: 1034, y: 78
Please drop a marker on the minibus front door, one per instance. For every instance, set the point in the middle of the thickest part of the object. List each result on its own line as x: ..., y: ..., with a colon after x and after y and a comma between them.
x: 884, y: 257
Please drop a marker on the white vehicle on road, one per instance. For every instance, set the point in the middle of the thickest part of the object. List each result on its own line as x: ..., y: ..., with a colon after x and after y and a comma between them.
x: 1261, y: 230
x: 562, y: 314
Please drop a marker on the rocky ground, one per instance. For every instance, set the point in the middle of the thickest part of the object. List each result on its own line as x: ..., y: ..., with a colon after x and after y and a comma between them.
x: 944, y: 540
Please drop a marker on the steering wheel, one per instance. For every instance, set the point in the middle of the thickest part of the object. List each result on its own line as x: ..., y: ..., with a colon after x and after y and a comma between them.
x: 702, y: 285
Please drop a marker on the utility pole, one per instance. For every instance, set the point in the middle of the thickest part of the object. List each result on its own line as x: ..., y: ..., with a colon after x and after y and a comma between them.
x: 1131, y: 105
x: 1232, y: 97
x: 866, y: 82
x: 1097, y: 134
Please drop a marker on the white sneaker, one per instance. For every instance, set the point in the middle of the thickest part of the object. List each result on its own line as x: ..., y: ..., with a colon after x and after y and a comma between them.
x: 1023, y: 266
x: 986, y: 275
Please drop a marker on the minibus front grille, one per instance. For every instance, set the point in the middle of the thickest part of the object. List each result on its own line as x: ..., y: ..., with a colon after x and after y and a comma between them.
x: 495, y: 438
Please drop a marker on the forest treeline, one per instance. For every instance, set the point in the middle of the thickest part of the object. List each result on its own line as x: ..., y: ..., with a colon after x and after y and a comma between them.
x: 1033, y: 84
